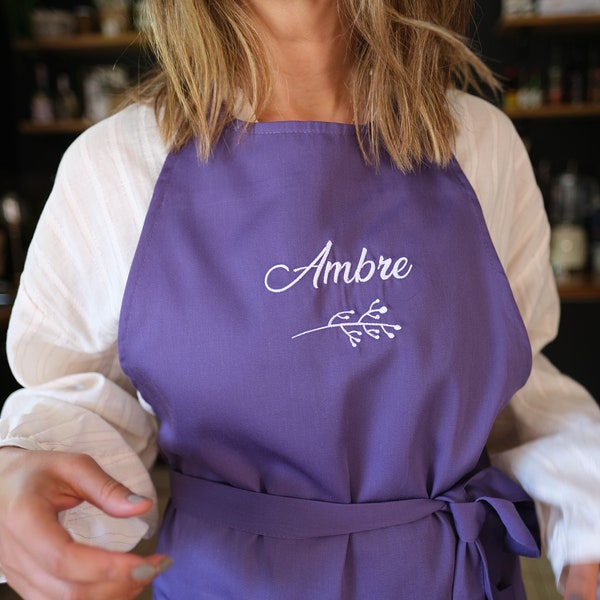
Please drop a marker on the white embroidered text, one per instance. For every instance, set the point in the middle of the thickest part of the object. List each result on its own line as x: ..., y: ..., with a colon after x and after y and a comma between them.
x: 325, y: 271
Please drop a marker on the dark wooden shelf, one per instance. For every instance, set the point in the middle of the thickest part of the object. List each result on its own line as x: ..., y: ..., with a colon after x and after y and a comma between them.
x: 551, y: 22
x: 555, y: 111
x: 58, y: 127
x: 90, y: 43
x: 577, y: 288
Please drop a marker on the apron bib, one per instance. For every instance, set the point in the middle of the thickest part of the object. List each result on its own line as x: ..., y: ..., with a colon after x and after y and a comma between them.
x: 326, y: 346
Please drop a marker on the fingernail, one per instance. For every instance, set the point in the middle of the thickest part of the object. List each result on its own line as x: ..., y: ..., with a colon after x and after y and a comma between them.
x: 146, y: 571
x: 135, y: 499
x: 163, y: 565
x: 143, y: 572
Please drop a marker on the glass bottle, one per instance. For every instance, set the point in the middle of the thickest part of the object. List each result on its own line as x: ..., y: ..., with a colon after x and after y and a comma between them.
x: 66, y: 104
x: 568, y: 240
x: 41, y: 102
x: 555, y: 91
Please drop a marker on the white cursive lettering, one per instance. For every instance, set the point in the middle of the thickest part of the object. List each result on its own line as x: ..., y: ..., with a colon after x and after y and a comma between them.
x: 325, y: 271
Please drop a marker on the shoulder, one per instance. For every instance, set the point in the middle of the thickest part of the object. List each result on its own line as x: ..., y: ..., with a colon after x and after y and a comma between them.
x: 110, y: 171
x: 101, y: 194
x: 496, y: 163
x: 489, y: 150
x: 465, y: 104
x: 128, y: 141
x: 482, y: 127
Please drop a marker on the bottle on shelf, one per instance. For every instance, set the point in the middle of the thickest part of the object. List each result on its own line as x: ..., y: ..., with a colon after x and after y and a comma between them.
x: 114, y: 15
x: 85, y: 19
x: 571, y: 76
x: 3, y: 257
x: 568, y: 215
x: 103, y: 86
x: 555, y: 85
x: 139, y: 16
x: 593, y: 76
x: 517, y: 7
x: 11, y: 218
x: 42, y: 110
x: 594, y: 228
x: 543, y: 173
x: 511, y: 88
x: 66, y: 103
x: 576, y: 76
x: 529, y: 94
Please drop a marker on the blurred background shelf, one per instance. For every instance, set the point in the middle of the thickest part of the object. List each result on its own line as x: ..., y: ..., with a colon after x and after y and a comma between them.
x: 549, y: 22
x: 90, y: 42
x: 58, y: 127
x: 584, y: 287
x: 555, y: 111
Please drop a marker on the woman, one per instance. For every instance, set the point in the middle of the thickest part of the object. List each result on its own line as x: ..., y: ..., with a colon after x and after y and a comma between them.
x: 326, y: 272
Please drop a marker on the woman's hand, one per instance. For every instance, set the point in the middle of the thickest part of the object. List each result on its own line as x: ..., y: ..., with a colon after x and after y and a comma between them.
x: 37, y: 555
x: 581, y: 582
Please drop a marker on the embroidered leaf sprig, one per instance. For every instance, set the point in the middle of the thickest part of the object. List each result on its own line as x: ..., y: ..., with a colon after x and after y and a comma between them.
x: 368, y: 323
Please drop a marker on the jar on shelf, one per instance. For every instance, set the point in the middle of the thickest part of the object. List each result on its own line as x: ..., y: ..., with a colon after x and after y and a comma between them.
x: 114, y: 16
x: 85, y: 19
x: 568, y: 214
x: 103, y: 86
x: 517, y: 7
x: 52, y: 23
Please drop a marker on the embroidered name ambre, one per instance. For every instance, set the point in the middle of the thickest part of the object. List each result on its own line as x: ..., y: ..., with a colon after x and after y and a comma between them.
x: 325, y: 271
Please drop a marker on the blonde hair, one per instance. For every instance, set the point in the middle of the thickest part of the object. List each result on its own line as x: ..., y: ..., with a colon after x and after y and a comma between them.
x: 405, y: 56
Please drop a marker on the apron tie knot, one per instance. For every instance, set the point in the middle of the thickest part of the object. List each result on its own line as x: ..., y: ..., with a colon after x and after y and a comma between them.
x: 468, y: 519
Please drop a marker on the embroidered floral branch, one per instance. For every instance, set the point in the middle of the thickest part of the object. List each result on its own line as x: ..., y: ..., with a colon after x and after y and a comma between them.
x: 367, y: 324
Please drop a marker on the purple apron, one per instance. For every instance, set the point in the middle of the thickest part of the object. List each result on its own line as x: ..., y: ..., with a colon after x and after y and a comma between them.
x: 327, y: 346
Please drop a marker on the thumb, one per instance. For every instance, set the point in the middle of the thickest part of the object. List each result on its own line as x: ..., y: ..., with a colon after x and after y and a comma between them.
x: 581, y: 582
x: 91, y: 483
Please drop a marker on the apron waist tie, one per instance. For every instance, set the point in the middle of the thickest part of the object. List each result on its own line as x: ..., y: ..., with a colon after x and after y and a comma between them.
x: 469, y: 503
x: 286, y: 517
x: 298, y: 518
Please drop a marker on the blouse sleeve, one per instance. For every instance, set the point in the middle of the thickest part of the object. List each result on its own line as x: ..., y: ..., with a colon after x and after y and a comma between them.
x: 62, y: 338
x: 548, y: 438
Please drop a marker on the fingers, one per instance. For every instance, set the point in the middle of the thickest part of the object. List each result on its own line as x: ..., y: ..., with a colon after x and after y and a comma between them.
x: 66, y: 480
x: 56, y: 567
x: 48, y: 588
x: 72, y: 568
x: 56, y: 553
x: 38, y: 556
x: 581, y: 582
x: 87, y: 481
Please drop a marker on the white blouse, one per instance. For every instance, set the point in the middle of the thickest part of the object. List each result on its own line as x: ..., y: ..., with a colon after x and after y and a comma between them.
x: 62, y: 338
